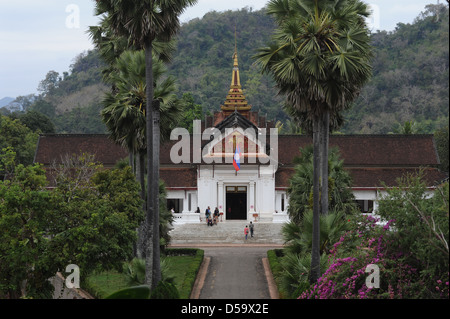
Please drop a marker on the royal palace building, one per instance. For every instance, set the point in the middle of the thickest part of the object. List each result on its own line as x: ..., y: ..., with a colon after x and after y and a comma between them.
x: 235, y: 161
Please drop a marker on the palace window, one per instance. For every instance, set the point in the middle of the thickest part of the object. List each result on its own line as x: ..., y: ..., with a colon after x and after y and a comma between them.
x: 365, y: 206
x: 176, y: 204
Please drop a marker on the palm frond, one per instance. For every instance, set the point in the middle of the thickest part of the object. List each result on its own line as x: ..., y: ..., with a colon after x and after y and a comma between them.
x: 317, y: 43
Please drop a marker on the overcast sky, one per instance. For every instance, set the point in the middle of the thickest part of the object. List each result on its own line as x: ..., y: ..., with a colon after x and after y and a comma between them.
x: 37, y: 36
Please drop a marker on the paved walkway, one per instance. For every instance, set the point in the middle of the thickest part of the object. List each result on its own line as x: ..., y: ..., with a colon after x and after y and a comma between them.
x: 235, y: 273
x: 233, y: 268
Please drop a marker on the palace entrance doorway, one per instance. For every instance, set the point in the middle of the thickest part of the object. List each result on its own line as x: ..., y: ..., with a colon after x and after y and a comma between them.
x: 236, y: 202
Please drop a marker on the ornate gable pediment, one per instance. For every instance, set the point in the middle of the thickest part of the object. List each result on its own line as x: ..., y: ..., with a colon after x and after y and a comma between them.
x: 235, y: 131
x: 236, y: 120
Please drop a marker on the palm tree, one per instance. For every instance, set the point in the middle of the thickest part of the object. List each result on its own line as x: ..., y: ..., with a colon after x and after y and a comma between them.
x: 320, y: 61
x: 128, y: 100
x: 300, y: 188
x: 124, y: 112
x: 142, y: 22
x: 111, y: 46
x: 408, y: 128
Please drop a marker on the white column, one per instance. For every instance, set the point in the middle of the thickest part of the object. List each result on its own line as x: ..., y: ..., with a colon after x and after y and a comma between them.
x: 267, y: 198
x: 252, y: 197
x: 221, y: 204
x: 194, y: 201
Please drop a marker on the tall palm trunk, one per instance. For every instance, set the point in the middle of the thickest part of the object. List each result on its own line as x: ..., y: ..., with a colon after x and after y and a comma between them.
x: 315, y: 251
x: 325, y: 133
x: 152, y: 258
x: 149, y: 221
x: 131, y: 157
x: 141, y: 173
x: 142, y: 233
x: 155, y: 193
x: 321, y: 126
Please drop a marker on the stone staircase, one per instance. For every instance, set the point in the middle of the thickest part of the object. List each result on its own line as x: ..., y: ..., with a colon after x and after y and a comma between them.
x: 226, y: 232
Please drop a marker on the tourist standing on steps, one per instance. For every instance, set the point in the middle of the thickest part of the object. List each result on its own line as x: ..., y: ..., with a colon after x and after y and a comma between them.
x: 246, y: 231
x: 210, y: 221
x: 207, y: 215
x: 251, y: 229
x: 216, y: 216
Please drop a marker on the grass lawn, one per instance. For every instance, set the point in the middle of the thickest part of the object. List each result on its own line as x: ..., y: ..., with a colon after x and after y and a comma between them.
x: 103, y: 284
x: 183, y: 266
x: 178, y: 266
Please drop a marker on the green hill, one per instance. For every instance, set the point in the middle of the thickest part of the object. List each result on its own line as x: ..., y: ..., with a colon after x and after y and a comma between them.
x: 410, y: 80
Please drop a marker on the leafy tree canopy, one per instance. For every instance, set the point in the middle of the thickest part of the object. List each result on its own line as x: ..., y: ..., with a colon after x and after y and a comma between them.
x: 89, y: 219
x: 22, y: 140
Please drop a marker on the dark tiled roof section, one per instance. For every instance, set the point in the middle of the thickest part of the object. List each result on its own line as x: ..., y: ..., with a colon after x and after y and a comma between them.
x: 370, y: 159
x: 164, y: 154
x: 179, y: 177
x: 282, y: 176
x: 369, y: 150
x: 51, y: 147
x: 378, y: 177
x: 356, y: 150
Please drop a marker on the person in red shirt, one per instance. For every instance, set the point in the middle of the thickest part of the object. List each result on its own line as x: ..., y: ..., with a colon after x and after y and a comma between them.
x: 246, y: 231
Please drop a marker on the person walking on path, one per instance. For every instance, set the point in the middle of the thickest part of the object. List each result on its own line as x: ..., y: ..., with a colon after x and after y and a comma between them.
x: 246, y: 231
x: 251, y: 229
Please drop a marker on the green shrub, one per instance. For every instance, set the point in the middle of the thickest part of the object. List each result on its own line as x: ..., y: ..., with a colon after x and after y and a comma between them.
x: 165, y: 290
x: 137, y: 292
x: 273, y: 257
x: 181, y: 251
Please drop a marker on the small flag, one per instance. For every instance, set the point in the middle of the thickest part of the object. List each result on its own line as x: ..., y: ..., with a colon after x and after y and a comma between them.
x: 237, y: 159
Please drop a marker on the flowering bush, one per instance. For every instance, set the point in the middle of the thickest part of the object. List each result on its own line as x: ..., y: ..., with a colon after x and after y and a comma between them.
x: 346, y: 276
x: 412, y: 259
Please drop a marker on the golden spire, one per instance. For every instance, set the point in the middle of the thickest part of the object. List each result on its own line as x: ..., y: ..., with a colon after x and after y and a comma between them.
x: 235, y: 100
x: 235, y: 49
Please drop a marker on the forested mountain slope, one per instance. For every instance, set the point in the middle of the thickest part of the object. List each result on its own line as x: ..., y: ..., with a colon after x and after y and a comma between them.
x: 203, y: 62
x: 410, y: 80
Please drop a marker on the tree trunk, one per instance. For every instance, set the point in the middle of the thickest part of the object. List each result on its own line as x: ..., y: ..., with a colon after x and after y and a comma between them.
x: 141, y: 161
x: 315, y: 251
x: 155, y: 194
x: 142, y: 233
x: 131, y: 156
x: 325, y: 133
x: 149, y: 222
